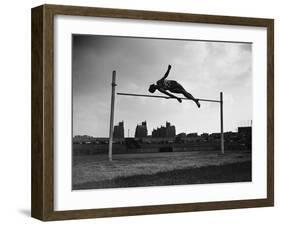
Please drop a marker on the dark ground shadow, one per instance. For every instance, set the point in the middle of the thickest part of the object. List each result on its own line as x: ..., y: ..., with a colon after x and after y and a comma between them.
x: 234, y: 172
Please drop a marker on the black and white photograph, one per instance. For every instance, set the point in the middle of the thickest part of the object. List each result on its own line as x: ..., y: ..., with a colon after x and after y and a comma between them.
x: 160, y: 112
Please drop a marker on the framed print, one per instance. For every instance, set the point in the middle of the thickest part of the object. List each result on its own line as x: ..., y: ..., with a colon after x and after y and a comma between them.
x: 142, y: 112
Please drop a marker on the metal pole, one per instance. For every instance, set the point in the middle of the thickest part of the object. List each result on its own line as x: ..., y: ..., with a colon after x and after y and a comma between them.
x: 164, y: 97
x: 221, y: 119
x: 113, y: 84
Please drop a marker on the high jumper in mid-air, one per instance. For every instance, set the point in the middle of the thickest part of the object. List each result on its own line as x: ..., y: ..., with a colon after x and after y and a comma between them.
x: 164, y: 85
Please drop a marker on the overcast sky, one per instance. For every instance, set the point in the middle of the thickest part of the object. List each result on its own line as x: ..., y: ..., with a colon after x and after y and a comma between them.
x: 203, y: 68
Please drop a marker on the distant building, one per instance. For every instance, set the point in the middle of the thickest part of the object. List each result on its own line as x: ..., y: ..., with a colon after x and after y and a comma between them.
x: 118, y: 131
x: 168, y: 131
x: 246, y: 130
x: 82, y: 139
x: 246, y: 135
x: 141, y: 130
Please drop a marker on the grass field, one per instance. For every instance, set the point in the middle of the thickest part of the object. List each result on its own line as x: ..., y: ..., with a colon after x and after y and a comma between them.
x: 155, y: 169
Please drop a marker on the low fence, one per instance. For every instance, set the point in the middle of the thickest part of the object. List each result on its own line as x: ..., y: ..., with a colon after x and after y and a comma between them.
x: 90, y: 149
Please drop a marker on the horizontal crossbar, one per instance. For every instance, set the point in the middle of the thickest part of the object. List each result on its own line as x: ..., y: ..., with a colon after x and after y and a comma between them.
x: 164, y: 97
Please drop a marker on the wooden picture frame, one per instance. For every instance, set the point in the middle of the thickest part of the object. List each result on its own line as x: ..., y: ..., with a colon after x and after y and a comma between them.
x: 42, y: 205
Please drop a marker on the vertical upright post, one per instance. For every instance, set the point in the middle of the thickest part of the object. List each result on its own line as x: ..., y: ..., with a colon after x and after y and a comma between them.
x: 113, y: 84
x: 221, y: 119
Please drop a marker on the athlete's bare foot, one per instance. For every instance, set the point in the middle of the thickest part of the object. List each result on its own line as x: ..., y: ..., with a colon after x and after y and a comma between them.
x: 198, y: 104
x: 179, y: 100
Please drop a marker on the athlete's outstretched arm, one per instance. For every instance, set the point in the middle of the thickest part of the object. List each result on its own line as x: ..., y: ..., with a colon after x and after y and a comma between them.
x: 167, y: 72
